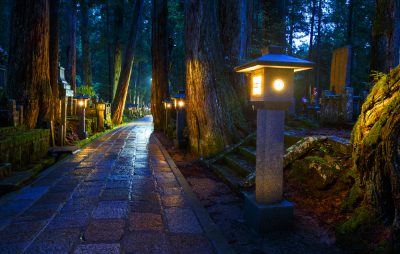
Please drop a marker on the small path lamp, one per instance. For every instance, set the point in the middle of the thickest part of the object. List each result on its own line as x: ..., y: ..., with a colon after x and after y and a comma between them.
x: 168, y: 103
x: 82, y: 104
x: 271, y: 92
x: 180, y: 104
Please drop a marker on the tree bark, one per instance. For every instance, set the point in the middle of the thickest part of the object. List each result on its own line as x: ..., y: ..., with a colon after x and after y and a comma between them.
x: 376, y: 149
x: 159, y: 52
x: 214, y: 117
x: 116, y: 22
x: 70, y: 69
x: 118, y: 104
x: 85, y: 39
x: 29, y: 74
x: 54, y: 44
x: 386, y: 36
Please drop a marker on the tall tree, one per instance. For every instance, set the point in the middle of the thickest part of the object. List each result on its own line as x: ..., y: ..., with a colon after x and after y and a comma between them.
x: 386, y: 36
x: 70, y: 70
x: 29, y: 74
x: 118, y: 104
x: 159, y: 53
x: 116, y: 21
x: 53, y: 47
x: 213, y: 118
x: 85, y: 39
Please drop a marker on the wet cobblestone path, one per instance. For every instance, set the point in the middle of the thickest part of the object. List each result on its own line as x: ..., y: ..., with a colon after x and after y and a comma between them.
x: 118, y: 195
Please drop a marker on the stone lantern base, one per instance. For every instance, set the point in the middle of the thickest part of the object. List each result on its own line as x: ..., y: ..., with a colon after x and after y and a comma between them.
x: 263, y: 218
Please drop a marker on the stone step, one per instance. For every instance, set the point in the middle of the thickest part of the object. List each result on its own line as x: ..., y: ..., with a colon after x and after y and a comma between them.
x: 226, y: 175
x: 248, y: 152
x: 237, y: 164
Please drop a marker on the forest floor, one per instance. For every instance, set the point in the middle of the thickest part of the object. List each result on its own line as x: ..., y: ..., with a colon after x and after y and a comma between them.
x: 315, y: 215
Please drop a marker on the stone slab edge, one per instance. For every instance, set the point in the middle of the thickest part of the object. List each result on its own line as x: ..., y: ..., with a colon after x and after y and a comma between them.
x: 212, y: 231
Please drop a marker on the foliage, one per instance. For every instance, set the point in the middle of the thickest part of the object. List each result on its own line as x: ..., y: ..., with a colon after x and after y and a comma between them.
x: 86, y: 90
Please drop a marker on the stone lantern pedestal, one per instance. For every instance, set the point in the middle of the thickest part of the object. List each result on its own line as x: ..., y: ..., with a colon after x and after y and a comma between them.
x: 100, y: 109
x: 265, y: 210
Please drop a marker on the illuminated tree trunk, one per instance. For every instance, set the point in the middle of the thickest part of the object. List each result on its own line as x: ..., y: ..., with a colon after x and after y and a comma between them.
x: 70, y: 69
x: 54, y: 45
x: 214, y: 117
x: 376, y: 149
x: 386, y: 36
x: 85, y: 39
x: 159, y: 52
x: 118, y: 104
x: 29, y: 74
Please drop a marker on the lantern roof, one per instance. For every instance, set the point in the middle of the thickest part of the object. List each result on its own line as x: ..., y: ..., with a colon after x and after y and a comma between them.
x: 276, y: 61
x: 167, y: 100
x: 180, y: 95
x: 82, y: 97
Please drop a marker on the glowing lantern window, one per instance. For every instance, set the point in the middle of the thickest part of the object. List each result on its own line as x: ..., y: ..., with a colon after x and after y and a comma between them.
x: 257, y: 85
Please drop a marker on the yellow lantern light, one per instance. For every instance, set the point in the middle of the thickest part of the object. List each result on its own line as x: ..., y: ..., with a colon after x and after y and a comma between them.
x: 257, y: 85
x: 179, y: 100
x: 279, y: 85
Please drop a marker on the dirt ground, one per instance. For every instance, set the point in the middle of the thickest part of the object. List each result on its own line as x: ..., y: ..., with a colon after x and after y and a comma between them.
x: 313, y: 231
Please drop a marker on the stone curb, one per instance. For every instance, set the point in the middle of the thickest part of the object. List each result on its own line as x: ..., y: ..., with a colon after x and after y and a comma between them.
x: 212, y: 231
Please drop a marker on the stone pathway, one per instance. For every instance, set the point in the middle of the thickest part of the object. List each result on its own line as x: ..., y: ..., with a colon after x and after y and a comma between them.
x: 118, y: 195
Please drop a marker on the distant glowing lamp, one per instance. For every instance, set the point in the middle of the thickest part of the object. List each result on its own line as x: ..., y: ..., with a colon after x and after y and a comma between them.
x: 279, y: 85
x: 82, y: 103
x: 82, y: 100
x: 167, y: 104
x: 179, y: 100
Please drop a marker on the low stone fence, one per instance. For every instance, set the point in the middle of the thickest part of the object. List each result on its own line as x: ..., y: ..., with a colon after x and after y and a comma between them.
x: 21, y: 147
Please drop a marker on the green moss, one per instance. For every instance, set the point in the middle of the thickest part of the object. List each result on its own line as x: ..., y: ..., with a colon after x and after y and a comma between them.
x: 316, y: 159
x: 362, y: 217
x: 353, y: 199
x: 382, y: 247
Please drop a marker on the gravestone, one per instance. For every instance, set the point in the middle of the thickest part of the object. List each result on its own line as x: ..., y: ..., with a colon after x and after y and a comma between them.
x: 340, y: 69
x: 66, y: 95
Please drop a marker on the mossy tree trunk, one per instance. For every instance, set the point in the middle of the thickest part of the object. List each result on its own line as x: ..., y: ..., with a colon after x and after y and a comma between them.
x: 85, y: 39
x: 159, y: 53
x: 118, y: 104
x: 376, y: 149
x: 214, y: 116
x: 386, y: 36
x: 29, y: 74
x: 70, y: 68
x: 54, y: 46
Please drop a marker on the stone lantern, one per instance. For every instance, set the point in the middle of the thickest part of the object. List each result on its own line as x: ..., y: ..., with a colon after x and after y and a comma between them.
x: 271, y: 93
x: 179, y: 102
x: 82, y: 101
x: 100, y: 109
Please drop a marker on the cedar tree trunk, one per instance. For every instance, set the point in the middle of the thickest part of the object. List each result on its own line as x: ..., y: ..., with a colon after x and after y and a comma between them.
x: 29, y: 74
x: 214, y: 116
x: 85, y: 38
x: 118, y: 105
x: 70, y: 69
x: 159, y: 53
x: 54, y: 44
x: 385, y: 36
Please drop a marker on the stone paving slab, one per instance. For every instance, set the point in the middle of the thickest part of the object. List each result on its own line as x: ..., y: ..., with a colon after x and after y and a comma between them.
x: 117, y: 195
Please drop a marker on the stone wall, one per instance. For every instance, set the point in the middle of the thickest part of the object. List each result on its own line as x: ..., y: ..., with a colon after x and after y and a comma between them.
x: 21, y: 147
